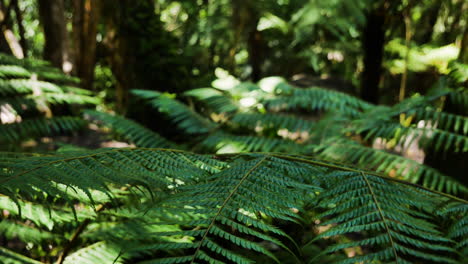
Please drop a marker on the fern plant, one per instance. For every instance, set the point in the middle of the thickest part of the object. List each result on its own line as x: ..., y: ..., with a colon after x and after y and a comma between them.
x: 274, y: 116
x: 172, y: 206
x: 30, y: 91
x: 325, y: 201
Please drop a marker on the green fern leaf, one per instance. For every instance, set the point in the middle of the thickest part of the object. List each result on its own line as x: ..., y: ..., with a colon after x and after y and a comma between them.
x: 257, y: 121
x: 231, y: 201
x: 132, y: 131
x: 185, y: 118
x: 33, y: 128
x: 10, y: 257
x: 317, y: 99
x: 388, y: 213
x: 350, y: 152
x: 221, y: 142
x: 216, y: 100
x: 100, y: 252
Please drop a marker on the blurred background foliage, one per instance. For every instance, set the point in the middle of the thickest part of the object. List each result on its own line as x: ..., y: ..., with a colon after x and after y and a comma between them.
x: 177, y: 45
x: 378, y: 84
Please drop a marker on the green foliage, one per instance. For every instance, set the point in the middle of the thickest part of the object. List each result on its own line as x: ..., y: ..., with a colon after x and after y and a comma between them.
x: 96, y: 253
x: 368, y: 205
x: 31, y: 90
x: 277, y: 117
x: 347, y: 191
x: 226, y: 208
x: 185, y: 118
x: 11, y: 257
x: 132, y: 131
x: 351, y: 152
x: 37, y: 127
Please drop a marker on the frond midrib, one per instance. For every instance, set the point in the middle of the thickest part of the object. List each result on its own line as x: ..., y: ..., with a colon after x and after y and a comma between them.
x: 382, y: 216
x: 223, y: 205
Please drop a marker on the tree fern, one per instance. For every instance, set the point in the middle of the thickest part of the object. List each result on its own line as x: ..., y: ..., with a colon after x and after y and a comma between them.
x: 41, y: 68
x: 185, y: 118
x: 227, y: 208
x: 367, y: 204
x: 351, y: 152
x: 458, y: 231
x: 99, y: 252
x: 132, y: 131
x: 10, y: 257
x: 268, y: 121
x: 39, y: 127
x: 316, y: 99
x: 43, y: 216
x: 222, y: 142
x: 229, y: 204
x: 258, y: 127
x: 95, y: 169
x: 28, y: 234
x: 29, y: 89
x: 216, y: 100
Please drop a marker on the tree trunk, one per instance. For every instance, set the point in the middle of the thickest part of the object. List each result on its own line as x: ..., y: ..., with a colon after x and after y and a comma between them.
x: 255, y: 50
x: 141, y: 53
x: 52, y: 16
x: 245, y: 20
x: 8, y: 42
x: 373, y: 41
x: 117, y: 56
x: 22, y: 31
x: 85, y: 21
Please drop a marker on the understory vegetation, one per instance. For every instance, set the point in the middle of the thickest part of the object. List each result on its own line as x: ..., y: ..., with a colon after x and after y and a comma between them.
x: 330, y: 197
x: 233, y: 132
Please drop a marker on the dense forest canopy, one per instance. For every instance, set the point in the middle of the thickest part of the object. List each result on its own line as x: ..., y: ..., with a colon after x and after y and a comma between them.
x: 233, y: 131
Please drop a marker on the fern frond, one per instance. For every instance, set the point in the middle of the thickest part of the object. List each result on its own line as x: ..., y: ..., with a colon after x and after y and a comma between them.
x: 85, y: 172
x: 184, y: 117
x: 27, y: 86
x: 41, y: 68
x: 51, y: 93
x: 10, y: 257
x: 458, y: 230
x: 438, y: 139
x: 132, y: 131
x: 8, y: 59
x: 69, y: 98
x: 41, y: 215
x: 314, y: 98
x: 33, y: 128
x: 25, y: 233
x: 18, y: 103
x: 216, y: 100
x: 230, y: 202
x: 366, y: 204
x: 225, y: 208
x: 258, y: 121
x: 459, y: 99
x: 347, y: 151
x: 445, y: 121
x: 13, y: 71
x: 459, y: 72
x: 222, y: 142
x: 99, y: 252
